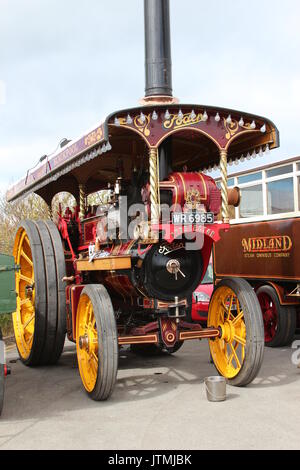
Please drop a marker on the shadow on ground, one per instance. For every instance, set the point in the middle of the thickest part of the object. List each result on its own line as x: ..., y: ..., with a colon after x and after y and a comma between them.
x: 38, y: 393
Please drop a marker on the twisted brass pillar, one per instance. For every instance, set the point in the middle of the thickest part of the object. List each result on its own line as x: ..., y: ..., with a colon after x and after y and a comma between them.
x: 81, y: 201
x: 154, y: 185
x: 224, y: 194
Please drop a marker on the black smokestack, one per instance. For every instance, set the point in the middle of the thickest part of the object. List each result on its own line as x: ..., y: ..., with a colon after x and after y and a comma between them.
x: 158, y: 64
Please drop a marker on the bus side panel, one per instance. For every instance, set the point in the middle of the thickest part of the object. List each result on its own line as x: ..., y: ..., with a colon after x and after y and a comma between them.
x: 260, y: 250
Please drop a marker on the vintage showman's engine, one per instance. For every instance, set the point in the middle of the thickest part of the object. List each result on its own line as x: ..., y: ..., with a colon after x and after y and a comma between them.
x: 122, y: 271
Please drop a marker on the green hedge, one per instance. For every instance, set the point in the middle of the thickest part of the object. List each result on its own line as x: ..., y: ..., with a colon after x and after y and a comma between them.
x: 6, y: 324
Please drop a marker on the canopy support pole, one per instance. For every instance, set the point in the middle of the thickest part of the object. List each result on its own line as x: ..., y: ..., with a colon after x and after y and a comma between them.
x: 82, y: 201
x: 154, y: 188
x: 224, y: 193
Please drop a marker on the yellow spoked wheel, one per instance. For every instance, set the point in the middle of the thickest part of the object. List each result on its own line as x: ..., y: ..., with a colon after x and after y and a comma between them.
x: 235, y: 311
x: 87, y: 344
x: 40, y: 319
x: 229, y: 350
x: 96, y: 342
x: 24, y: 317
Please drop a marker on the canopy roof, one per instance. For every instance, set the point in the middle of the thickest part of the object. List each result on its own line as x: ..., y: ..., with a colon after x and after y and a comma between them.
x: 197, y: 134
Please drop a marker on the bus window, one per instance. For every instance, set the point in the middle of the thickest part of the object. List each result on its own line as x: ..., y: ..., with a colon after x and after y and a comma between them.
x: 282, y: 170
x: 251, y: 201
x: 249, y: 178
x: 280, y: 196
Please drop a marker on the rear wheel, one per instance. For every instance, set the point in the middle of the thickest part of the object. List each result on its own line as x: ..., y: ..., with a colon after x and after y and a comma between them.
x: 235, y: 311
x: 97, y: 342
x: 279, y: 321
x: 39, y: 320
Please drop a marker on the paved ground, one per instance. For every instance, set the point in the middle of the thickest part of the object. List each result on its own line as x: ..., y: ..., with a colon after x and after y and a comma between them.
x: 158, y: 403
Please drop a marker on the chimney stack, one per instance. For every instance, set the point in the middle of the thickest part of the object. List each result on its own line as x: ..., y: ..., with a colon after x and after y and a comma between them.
x: 158, y: 66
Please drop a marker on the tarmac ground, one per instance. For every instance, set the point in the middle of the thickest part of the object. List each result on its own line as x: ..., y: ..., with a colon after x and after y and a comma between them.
x: 158, y: 403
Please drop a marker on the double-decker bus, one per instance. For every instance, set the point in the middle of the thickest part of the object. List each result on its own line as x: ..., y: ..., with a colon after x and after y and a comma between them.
x: 264, y: 244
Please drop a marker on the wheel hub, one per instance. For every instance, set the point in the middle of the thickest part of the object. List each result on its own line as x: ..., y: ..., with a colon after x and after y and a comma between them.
x: 29, y: 292
x: 228, y: 331
x: 269, y: 315
x: 84, y: 342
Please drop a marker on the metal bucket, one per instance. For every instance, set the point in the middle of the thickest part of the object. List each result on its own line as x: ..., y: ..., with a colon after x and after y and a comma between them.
x: 215, y: 388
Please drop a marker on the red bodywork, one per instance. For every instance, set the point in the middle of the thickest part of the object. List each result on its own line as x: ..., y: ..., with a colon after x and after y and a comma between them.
x: 188, y: 191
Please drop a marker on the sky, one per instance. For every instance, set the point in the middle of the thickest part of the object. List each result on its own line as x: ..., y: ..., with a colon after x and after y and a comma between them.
x: 65, y: 65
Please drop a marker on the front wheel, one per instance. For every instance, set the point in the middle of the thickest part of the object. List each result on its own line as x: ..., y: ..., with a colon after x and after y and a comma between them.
x: 96, y: 342
x: 235, y: 311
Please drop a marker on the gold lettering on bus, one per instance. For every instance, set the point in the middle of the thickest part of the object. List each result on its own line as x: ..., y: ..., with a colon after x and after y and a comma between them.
x: 275, y: 244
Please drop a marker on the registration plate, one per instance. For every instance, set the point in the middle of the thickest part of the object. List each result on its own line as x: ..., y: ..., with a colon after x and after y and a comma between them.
x: 190, y: 218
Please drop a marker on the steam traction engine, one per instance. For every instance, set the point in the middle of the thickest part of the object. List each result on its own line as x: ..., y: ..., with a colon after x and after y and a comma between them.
x: 123, y: 272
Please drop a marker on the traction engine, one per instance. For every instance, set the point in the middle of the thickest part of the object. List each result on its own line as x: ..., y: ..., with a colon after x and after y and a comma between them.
x: 123, y: 271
